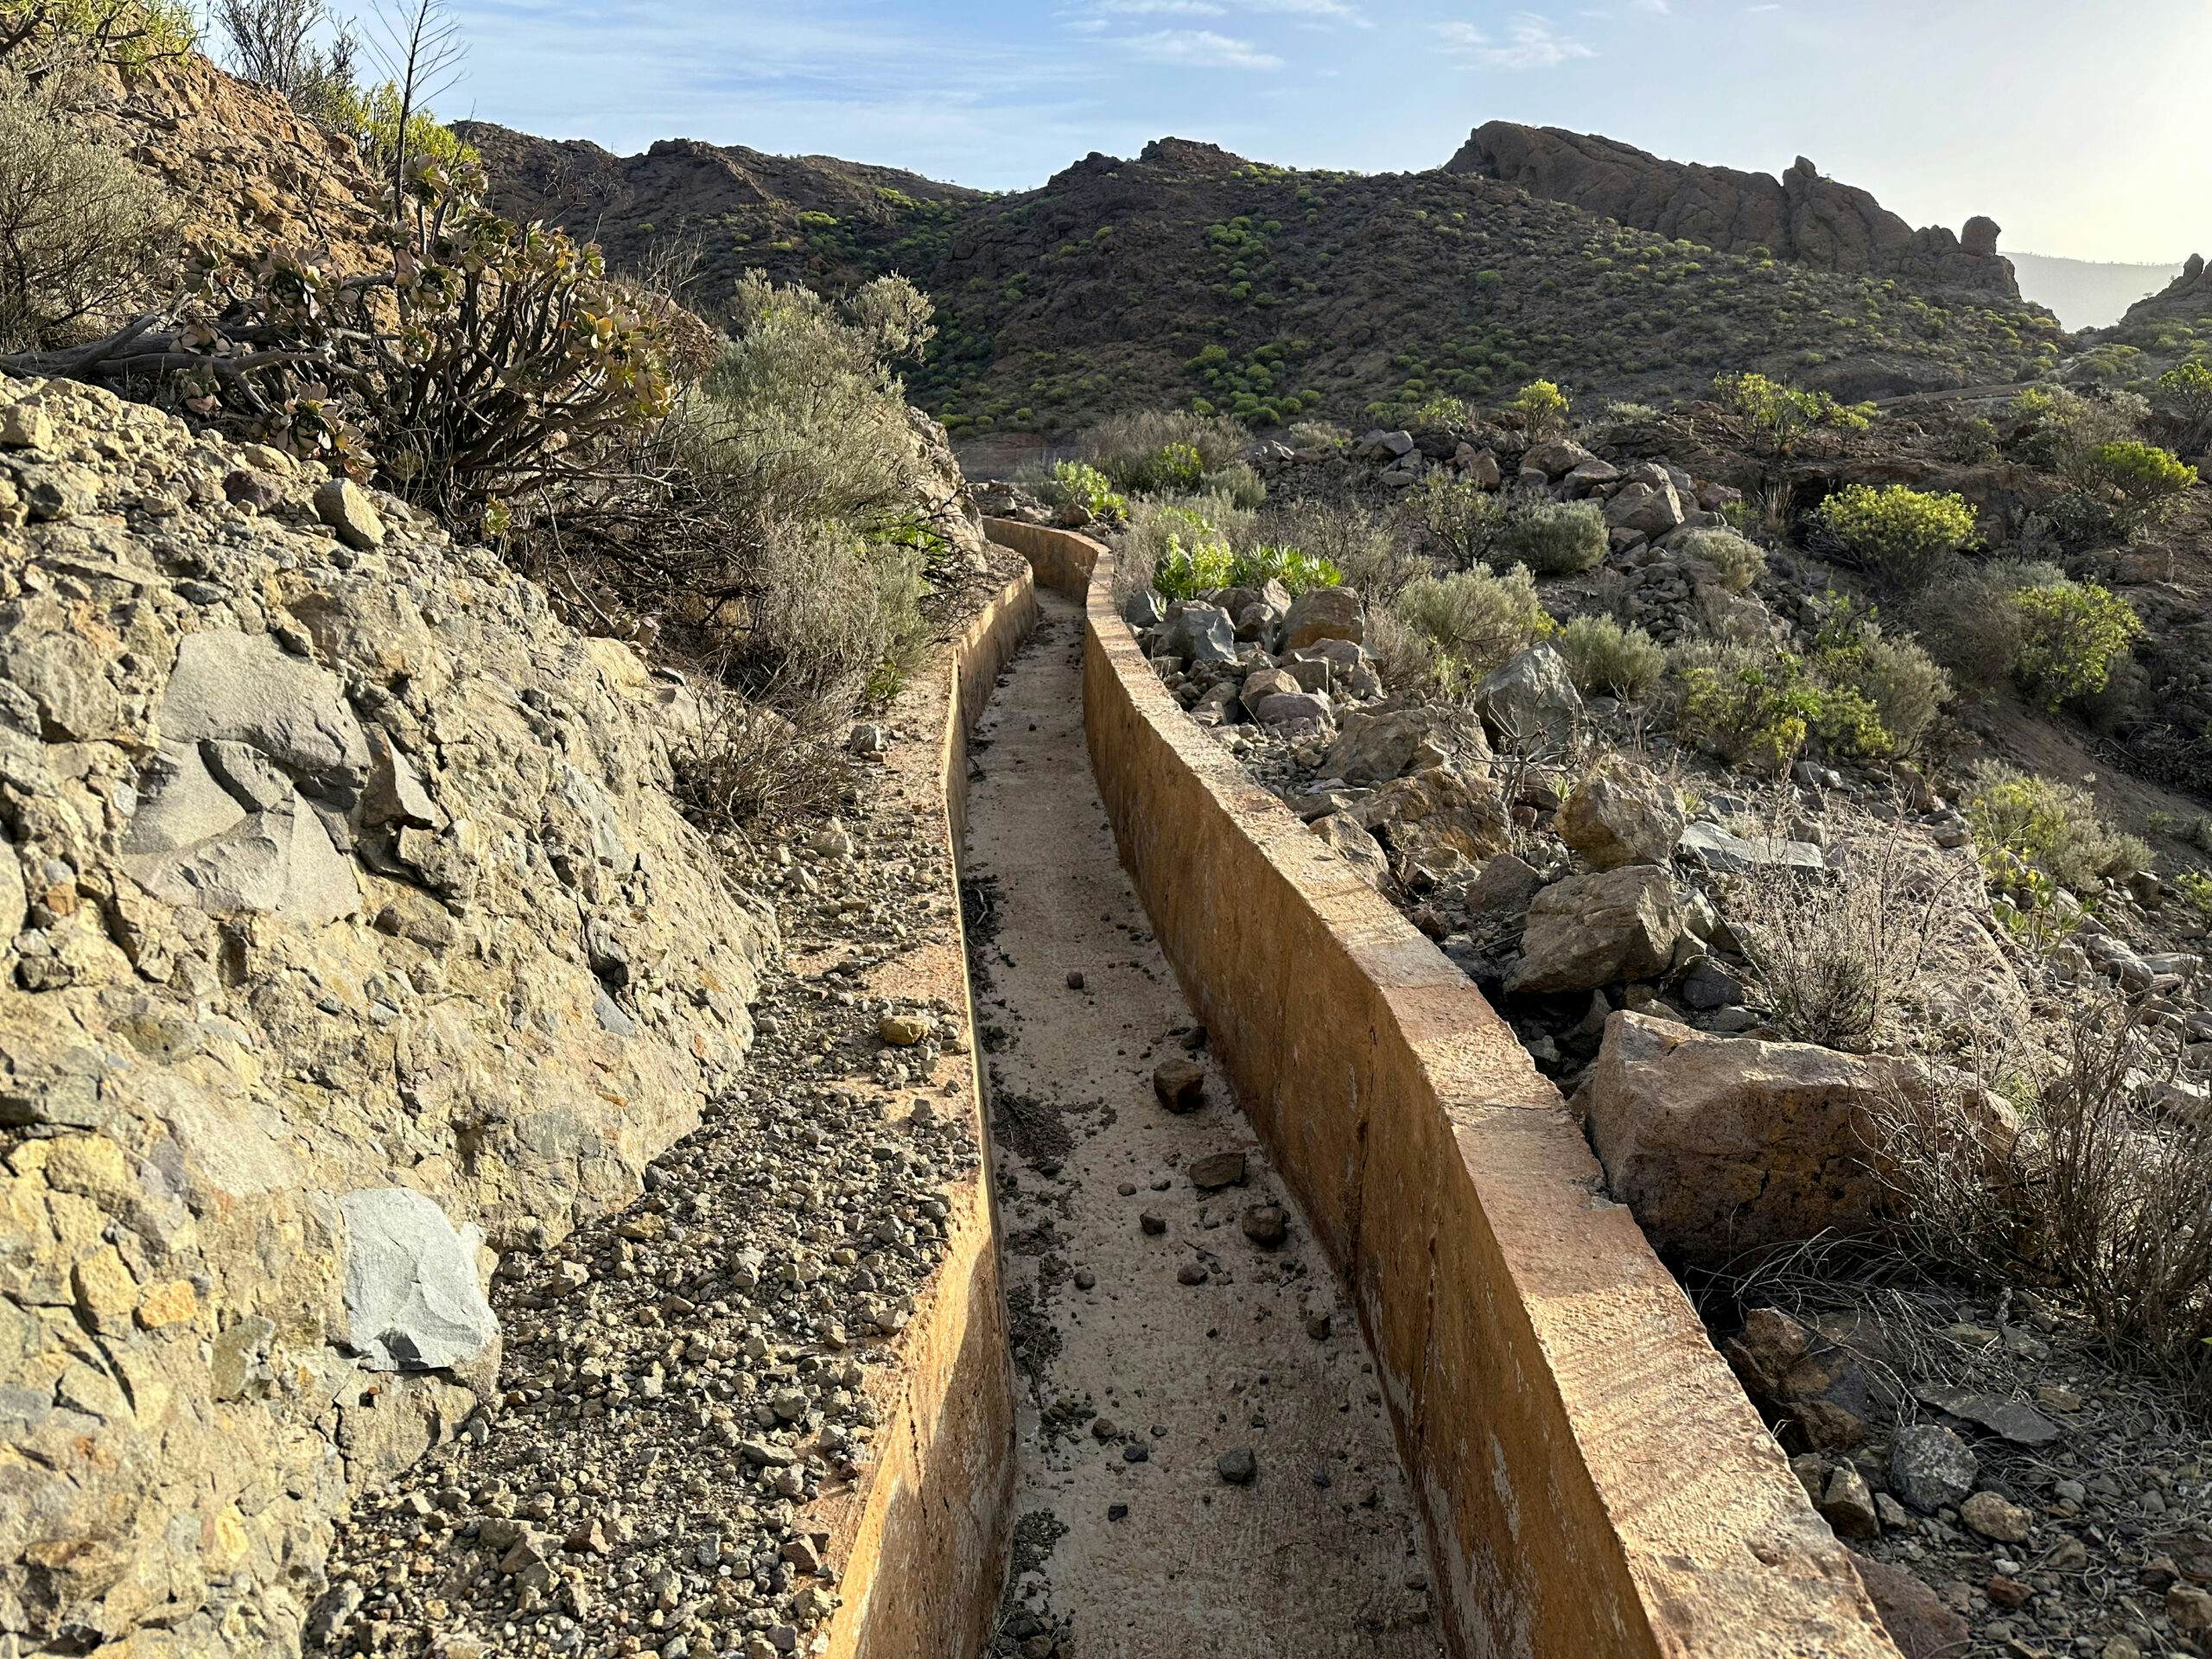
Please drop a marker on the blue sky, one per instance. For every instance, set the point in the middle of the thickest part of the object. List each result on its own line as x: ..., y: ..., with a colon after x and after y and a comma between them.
x: 2078, y: 126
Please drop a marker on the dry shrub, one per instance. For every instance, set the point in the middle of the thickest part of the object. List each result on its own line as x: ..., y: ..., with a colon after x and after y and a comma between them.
x: 1445, y: 633
x: 83, y: 233
x: 1846, y: 956
x: 2099, y: 1193
x: 1353, y: 538
x: 740, y: 762
x: 1127, y: 447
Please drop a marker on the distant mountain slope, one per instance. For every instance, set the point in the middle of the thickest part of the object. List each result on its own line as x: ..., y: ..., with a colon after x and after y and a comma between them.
x: 2088, y: 294
x: 1800, y: 216
x: 1190, y: 273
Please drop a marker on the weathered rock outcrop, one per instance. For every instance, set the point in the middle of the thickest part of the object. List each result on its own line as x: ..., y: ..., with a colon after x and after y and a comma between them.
x: 2186, y: 299
x: 347, y: 922
x: 1800, y: 216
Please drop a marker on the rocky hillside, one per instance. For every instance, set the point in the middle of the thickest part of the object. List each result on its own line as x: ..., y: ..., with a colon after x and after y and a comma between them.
x: 1800, y: 216
x: 352, y: 934
x: 1190, y: 273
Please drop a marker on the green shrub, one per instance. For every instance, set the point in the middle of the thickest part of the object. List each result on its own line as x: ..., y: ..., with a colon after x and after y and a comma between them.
x: 1127, y: 447
x: 1154, y: 523
x: 1607, y: 659
x: 1240, y: 481
x: 38, y: 37
x: 1204, y: 566
x: 2054, y: 426
x: 1462, y: 519
x: 1738, y: 563
x: 1774, y: 415
x: 370, y: 117
x: 2185, y: 395
x: 1448, y: 632
x: 2140, y: 480
x: 1297, y: 571
x: 1077, y: 483
x: 1898, y: 682
x: 82, y: 231
x: 2071, y: 635
x: 1543, y: 410
x: 1742, y: 703
x: 1554, y: 538
x: 1904, y: 533
x: 2025, y: 823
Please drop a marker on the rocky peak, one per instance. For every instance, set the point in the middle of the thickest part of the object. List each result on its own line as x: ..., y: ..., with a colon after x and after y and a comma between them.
x: 1801, y: 216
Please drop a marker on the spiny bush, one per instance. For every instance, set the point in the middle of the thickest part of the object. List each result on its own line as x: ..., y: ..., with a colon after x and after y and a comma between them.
x: 1461, y: 519
x: 1554, y: 538
x: 1841, y: 955
x: 2072, y: 635
x: 1606, y: 659
x: 1898, y: 679
x: 1078, y: 484
x: 2098, y: 1192
x: 1774, y: 415
x: 1904, y: 533
x: 1445, y: 633
x: 1298, y: 571
x: 2023, y: 822
x: 1137, y: 450
x: 1737, y: 562
x: 2139, y: 480
x: 82, y: 231
x: 1349, y: 536
x: 1543, y: 410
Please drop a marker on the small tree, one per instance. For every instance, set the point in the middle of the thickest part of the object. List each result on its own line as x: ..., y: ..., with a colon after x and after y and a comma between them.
x: 2185, y: 392
x: 39, y: 37
x: 281, y: 43
x: 2139, y: 480
x: 1543, y: 410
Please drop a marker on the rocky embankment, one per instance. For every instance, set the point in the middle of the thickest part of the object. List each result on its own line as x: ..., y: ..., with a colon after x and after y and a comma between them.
x: 349, y: 933
x: 1800, y: 216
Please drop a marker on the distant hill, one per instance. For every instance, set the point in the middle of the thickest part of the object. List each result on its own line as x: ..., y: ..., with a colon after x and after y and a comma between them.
x: 2085, y: 293
x: 1190, y: 275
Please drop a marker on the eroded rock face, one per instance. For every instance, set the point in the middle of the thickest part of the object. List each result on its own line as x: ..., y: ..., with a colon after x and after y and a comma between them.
x: 1800, y: 216
x: 346, y: 922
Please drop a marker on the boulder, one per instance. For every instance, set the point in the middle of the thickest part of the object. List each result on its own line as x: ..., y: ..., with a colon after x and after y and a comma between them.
x: 1144, y: 609
x: 1930, y: 1468
x: 1201, y: 635
x: 1343, y: 834
x: 1813, y: 1380
x: 1381, y: 445
x: 1531, y: 703
x: 1504, y: 891
x: 1292, y: 708
x: 1711, y: 847
x: 414, y: 1299
x: 1479, y: 468
x: 1653, y: 509
x: 1621, y: 816
x: 1263, y: 682
x: 1555, y: 458
x: 1323, y: 613
x: 1722, y: 1145
x: 1438, y: 816
x: 1590, y: 931
x: 1376, y: 747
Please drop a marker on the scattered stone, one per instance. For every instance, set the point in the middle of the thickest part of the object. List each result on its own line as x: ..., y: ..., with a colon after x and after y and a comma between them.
x: 1930, y: 1468
x: 1590, y: 931
x: 1994, y: 1518
x: 1216, y: 1170
x: 1622, y: 815
x: 1238, y: 1466
x: 1180, y: 1084
x: 1265, y: 1224
x: 346, y: 507
x: 902, y: 1030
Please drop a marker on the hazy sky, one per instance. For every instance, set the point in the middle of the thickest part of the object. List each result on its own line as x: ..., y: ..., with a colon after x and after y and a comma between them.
x: 2080, y: 127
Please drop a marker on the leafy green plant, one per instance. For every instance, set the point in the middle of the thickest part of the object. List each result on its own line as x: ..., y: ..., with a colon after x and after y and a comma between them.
x: 1606, y: 659
x: 1904, y: 533
x: 1774, y: 415
x: 2139, y: 479
x: 2194, y: 888
x: 1297, y: 571
x: 1543, y: 410
x: 1206, y: 565
x: 2186, y: 393
x: 2071, y: 634
x: 39, y: 37
x: 1078, y: 484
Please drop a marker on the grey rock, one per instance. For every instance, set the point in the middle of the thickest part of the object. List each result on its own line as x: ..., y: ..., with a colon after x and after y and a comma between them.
x: 243, y: 688
x: 1293, y: 708
x: 1531, y: 703
x: 1200, y: 635
x: 413, y: 1301
x: 1144, y: 609
x: 346, y: 507
x: 1713, y: 848
x: 1374, y: 748
x: 1930, y: 1467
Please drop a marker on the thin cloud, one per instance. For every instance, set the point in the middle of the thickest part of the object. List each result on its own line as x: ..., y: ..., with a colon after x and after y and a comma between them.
x: 1200, y: 49
x: 1656, y: 8
x: 1531, y: 43
x: 1161, y: 9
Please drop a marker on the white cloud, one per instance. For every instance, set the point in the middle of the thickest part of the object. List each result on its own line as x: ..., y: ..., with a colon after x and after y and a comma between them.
x: 1531, y: 43
x: 1200, y: 49
x: 1656, y: 8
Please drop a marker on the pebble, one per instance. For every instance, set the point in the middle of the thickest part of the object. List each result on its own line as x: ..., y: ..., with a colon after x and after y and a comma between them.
x: 1238, y: 1466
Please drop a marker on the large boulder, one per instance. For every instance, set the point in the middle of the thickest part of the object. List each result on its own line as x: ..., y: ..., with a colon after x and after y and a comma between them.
x: 1376, y: 747
x: 1621, y: 816
x: 1201, y: 635
x: 1590, y: 931
x: 1323, y: 613
x: 1654, y: 509
x: 1531, y: 703
x: 1440, y: 817
x: 1724, y: 1145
